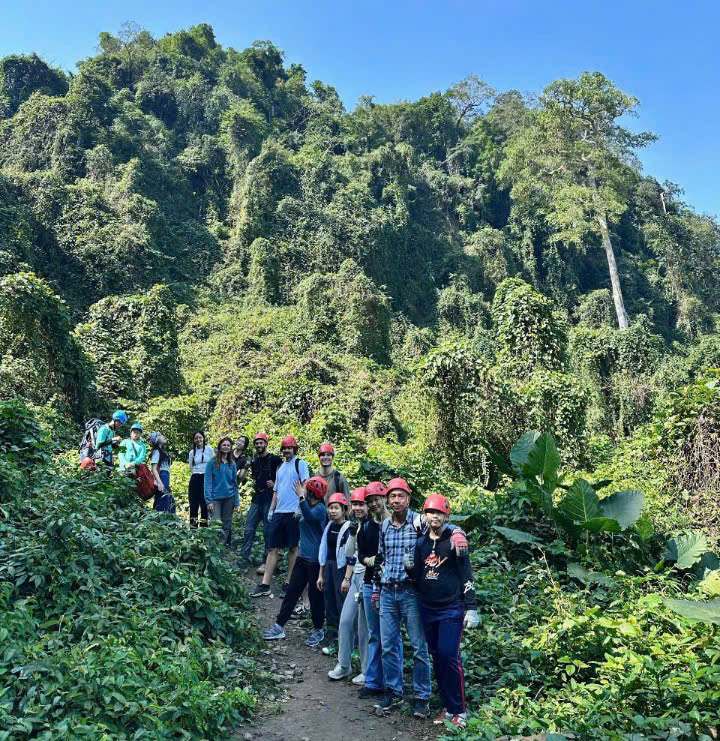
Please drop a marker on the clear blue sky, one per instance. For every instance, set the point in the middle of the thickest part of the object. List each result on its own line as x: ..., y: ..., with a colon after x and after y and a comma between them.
x: 663, y: 52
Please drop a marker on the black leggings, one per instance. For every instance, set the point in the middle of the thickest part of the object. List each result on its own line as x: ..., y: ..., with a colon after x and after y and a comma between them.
x: 196, y: 495
x: 304, y: 573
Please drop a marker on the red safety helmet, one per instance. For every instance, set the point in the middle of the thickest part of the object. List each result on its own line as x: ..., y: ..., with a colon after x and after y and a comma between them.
x: 289, y: 441
x: 375, y: 489
x: 338, y: 498
x: 358, y: 495
x: 437, y: 502
x: 261, y: 436
x: 326, y: 448
x: 317, y: 486
x: 399, y: 483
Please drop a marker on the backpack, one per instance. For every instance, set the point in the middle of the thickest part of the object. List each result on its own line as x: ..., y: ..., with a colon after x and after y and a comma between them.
x: 144, y: 481
x: 297, y: 468
x: 87, y: 449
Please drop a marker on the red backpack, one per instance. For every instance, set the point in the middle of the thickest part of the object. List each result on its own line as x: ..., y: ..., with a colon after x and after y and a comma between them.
x: 145, y: 481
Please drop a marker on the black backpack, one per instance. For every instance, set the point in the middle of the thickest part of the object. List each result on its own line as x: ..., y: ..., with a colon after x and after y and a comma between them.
x: 87, y: 448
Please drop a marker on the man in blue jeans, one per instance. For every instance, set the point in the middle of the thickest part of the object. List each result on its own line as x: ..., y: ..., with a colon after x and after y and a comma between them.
x: 398, y: 601
x: 263, y: 467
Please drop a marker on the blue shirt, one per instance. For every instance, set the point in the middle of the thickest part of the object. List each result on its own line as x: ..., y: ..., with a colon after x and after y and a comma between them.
x: 221, y: 482
x: 285, y: 480
x: 312, y: 524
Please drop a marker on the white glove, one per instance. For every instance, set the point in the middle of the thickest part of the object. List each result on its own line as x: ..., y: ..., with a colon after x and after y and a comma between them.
x: 270, y: 514
x: 471, y: 619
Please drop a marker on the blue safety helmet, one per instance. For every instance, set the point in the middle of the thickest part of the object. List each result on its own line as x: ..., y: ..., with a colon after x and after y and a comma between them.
x: 120, y: 416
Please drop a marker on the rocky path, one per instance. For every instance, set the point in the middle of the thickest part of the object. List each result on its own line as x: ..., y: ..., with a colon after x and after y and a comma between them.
x: 313, y: 708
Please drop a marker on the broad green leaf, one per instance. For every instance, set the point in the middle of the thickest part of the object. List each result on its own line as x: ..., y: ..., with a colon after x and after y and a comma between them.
x: 539, y: 496
x: 580, y: 503
x: 706, y: 612
x: 516, y: 536
x: 576, y: 571
x: 623, y: 506
x: 686, y: 549
x: 544, y: 460
x: 710, y: 585
x: 601, y: 525
x: 708, y: 562
x: 644, y: 528
x: 468, y: 522
x: 521, y: 450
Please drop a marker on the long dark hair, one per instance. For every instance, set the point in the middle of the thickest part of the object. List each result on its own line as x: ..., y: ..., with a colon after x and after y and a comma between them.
x: 218, y: 454
x: 160, y: 447
x: 195, y: 447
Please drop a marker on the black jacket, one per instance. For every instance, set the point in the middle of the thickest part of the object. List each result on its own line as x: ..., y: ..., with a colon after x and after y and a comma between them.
x: 368, y: 541
x: 441, y: 578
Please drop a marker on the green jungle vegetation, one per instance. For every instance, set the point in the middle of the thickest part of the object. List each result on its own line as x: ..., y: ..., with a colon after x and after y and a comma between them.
x: 475, y: 290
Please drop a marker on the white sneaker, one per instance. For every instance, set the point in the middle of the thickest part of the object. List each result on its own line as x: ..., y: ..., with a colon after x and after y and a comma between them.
x: 338, y: 673
x: 360, y: 679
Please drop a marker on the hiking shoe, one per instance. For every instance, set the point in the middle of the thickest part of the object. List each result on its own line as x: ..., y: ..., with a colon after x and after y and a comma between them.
x: 390, y: 702
x: 315, y: 638
x: 299, y: 610
x: 339, y: 672
x: 260, y: 570
x: 366, y: 692
x: 358, y: 679
x: 261, y: 590
x: 459, y: 720
x: 441, y: 717
x: 273, y: 633
x: 420, y: 708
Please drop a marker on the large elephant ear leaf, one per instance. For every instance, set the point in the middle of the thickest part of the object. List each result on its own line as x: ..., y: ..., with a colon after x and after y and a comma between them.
x: 706, y: 612
x: 521, y: 450
x: 516, y: 536
x: 686, y: 549
x: 624, y: 507
x: 581, y: 503
x: 543, y: 460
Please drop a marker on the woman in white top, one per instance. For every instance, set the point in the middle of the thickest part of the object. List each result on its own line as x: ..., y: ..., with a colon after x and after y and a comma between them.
x: 198, y: 457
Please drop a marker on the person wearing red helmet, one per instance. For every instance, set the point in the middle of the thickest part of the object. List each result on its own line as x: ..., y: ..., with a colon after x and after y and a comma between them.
x: 263, y: 468
x: 444, y: 584
x: 367, y: 546
x: 398, y: 601
x: 335, y: 480
x: 283, y: 532
x: 313, y: 516
x: 332, y: 563
x: 352, y: 616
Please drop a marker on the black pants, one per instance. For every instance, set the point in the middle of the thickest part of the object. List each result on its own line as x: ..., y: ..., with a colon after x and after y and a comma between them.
x: 196, y: 495
x: 304, y: 573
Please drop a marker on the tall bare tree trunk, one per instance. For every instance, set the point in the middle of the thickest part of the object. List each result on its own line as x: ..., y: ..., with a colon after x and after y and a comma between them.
x: 622, y: 316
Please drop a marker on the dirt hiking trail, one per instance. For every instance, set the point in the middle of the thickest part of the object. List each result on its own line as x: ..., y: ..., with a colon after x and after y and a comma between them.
x: 311, y: 707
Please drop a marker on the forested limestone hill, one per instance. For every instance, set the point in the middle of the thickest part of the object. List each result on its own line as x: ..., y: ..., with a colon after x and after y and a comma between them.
x: 203, y: 236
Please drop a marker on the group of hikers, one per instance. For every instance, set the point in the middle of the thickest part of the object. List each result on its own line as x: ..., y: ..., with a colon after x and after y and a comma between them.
x: 362, y: 562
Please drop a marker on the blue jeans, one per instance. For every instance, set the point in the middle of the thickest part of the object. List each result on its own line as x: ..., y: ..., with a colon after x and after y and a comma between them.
x: 398, y: 605
x: 258, y: 512
x: 373, y: 663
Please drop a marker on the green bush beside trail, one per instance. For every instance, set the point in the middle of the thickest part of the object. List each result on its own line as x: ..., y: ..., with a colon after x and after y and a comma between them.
x: 115, y: 622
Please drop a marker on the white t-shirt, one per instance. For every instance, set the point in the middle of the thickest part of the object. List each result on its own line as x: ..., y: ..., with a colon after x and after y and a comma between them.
x: 285, y: 479
x: 155, y: 461
x: 198, y: 458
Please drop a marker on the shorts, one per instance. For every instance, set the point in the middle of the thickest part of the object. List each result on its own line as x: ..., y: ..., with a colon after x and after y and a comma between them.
x: 283, y: 530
